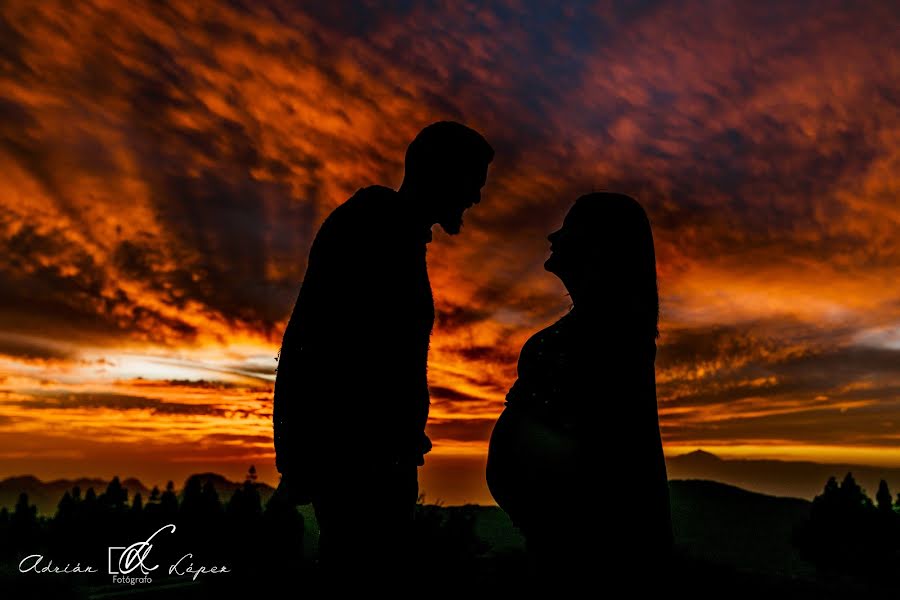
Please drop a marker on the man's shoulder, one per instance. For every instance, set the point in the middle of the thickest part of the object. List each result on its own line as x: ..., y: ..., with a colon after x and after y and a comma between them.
x: 359, y: 213
x: 368, y: 200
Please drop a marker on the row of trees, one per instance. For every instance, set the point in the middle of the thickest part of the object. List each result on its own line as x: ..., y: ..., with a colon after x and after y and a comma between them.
x: 242, y: 532
x: 848, y: 532
x: 87, y: 523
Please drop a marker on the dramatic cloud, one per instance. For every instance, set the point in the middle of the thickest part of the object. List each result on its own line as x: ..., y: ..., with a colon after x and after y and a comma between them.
x: 165, y: 168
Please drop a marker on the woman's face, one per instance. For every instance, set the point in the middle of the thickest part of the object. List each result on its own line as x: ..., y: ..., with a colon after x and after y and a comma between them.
x: 571, y: 251
x: 603, y: 250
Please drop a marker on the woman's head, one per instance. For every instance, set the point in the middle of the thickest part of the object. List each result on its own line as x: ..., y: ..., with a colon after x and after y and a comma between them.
x: 604, y: 256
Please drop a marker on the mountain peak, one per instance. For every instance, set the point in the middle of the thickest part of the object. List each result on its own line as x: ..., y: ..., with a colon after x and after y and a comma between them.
x: 25, y: 481
x: 701, y: 454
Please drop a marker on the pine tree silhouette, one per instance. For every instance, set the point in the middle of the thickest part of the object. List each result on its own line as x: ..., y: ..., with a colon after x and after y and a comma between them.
x: 846, y: 532
x: 65, y: 510
x: 883, y: 498
x: 168, y: 504
x: 244, y: 512
x: 23, y: 523
x: 115, y: 497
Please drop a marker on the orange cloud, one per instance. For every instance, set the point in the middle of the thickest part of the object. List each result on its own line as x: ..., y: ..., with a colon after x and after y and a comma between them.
x: 166, y: 167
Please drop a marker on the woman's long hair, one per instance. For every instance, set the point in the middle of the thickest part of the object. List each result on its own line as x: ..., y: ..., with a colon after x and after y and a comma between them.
x: 617, y: 231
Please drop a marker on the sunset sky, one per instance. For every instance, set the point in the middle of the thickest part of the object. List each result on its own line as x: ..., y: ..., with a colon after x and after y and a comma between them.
x: 165, y: 168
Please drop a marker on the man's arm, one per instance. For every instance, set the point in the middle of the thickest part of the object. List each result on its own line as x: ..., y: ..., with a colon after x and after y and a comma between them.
x: 391, y: 324
x: 295, y: 385
x: 284, y: 393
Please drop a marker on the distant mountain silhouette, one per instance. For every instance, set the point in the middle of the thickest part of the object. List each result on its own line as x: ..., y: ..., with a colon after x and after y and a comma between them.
x: 797, y: 479
x: 46, y: 494
x: 226, y: 487
x: 701, y: 457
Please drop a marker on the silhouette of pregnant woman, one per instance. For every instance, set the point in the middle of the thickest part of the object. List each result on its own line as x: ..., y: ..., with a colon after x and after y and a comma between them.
x: 576, y: 456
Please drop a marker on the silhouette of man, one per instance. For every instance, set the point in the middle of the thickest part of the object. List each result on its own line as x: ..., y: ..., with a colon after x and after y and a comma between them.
x: 351, y: 393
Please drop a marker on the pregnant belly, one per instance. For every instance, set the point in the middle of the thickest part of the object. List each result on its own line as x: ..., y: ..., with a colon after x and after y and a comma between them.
x: 531, y: 466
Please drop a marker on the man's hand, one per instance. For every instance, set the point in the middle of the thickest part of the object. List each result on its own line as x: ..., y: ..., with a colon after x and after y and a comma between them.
x: 294, y: 490
x: 424, y: 448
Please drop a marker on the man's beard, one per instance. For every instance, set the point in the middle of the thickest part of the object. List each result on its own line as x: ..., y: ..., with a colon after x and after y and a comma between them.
x: 552, y: 264
x: 452, y: 224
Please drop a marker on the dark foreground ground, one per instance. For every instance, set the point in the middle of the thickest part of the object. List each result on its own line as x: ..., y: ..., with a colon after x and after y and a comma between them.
x: 731, y: 544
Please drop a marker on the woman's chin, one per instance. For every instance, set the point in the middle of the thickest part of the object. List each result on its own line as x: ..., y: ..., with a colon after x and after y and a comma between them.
x: 550, y: 265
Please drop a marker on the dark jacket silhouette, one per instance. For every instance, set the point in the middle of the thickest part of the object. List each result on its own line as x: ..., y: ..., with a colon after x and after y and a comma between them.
x: 576, y: 456
x: 352, y: 369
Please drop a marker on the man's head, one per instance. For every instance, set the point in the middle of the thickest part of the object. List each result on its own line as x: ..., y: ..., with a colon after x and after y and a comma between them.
x: 446, y: 167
